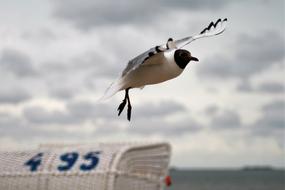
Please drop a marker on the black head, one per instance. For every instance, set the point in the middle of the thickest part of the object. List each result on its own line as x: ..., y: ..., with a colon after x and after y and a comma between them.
x: 182, y: 57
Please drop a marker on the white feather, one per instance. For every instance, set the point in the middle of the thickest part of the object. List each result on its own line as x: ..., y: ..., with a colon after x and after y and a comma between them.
x: 115, y: 87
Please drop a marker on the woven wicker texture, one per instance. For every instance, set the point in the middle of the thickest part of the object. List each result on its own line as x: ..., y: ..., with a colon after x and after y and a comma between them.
x: 123, y: 166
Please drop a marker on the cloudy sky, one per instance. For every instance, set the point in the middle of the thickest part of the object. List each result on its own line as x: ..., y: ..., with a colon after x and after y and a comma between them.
x: 57, y: 57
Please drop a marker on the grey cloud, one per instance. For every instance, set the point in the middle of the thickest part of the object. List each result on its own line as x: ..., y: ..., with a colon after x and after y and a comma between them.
x: 265, y: 87
x: 91, y: 110
x: 39, y: 115
x: 7, y: 120
x: 13, y: 126
x: 195, y: 5
x: 272, y: 121
x: 274, y: 107
x: 17, y: 63
x: 99, y: 65
x: 273, y: 115
x: 159, y: 126
x: 260, y: 49
x: 216, y: 67
x: 77, y: 75
x: 155, y: 118
x: 87, y: 14
x: 271, y: 87
x: 62, y: 82
x: 87, y: 109
x: 160, y: 109
x: 62, y: 92
x: 65, y: 86
x: 89, y: 63
x: 245, y: 86
x: 254, y: 54
x: 19, y: 129
x: 43, y: 35
x: 76, y: 112
x: 211, y: 110
x: 13, y: 96
x: 226, y: 119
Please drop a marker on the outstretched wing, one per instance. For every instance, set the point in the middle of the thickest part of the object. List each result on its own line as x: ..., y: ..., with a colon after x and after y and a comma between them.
x: 142, y: 59
x: 213, y: 29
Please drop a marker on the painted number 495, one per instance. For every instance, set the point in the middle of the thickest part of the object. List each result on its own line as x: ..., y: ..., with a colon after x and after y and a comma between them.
x: 68, y: 160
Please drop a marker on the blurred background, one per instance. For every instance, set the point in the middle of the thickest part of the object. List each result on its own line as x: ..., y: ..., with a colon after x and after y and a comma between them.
x: 57, y: 57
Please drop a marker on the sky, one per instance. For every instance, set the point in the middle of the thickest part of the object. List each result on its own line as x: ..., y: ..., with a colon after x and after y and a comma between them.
x: 57, y: 57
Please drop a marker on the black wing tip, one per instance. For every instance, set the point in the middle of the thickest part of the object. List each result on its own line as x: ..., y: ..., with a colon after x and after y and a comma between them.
x: 213, y: 24
x: 203, y: 31
x: 219, y: 20
x: 157, y: 49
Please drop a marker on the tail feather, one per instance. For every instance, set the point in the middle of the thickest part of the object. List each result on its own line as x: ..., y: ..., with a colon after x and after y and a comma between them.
x: 112, y: 90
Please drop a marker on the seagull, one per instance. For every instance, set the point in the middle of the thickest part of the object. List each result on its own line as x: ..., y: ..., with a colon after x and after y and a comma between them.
x: 158, y: 64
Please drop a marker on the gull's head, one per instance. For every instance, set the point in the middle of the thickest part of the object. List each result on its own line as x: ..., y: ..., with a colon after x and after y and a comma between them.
x: 182, y: 57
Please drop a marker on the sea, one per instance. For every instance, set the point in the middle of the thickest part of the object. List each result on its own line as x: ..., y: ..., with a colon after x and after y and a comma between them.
x: 227, y: 179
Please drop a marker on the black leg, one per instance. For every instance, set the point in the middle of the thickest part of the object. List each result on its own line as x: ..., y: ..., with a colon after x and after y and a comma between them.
x: 122, y: 105
x: 129, y: 106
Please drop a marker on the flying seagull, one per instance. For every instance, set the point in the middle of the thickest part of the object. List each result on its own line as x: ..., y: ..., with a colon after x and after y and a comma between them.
x: 158, y: 64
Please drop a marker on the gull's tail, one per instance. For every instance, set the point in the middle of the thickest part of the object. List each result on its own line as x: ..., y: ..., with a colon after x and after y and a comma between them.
x: 112, y: 90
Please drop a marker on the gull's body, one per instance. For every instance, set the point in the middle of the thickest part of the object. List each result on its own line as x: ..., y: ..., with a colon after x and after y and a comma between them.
x: 164, y: 69
x: 159, y: 64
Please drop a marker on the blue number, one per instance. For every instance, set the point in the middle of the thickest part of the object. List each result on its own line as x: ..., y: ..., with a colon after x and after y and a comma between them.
x: 70, y: 159
x: 93, y: 157
x: 34, y: 162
